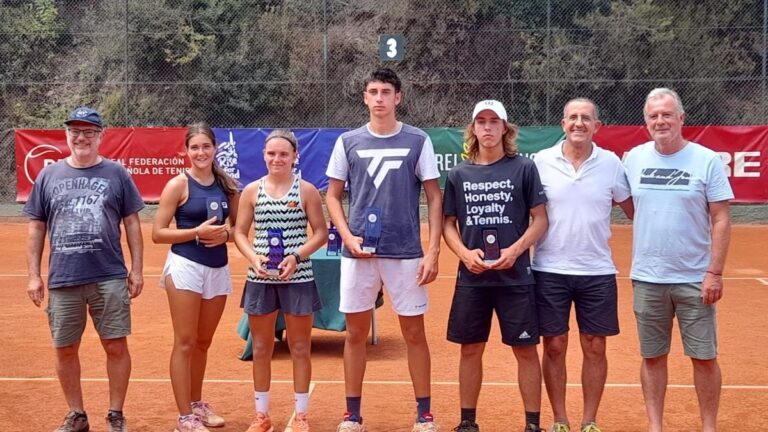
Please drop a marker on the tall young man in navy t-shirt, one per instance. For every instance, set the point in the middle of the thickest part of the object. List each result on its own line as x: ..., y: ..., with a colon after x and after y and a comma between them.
x: 385, y: 163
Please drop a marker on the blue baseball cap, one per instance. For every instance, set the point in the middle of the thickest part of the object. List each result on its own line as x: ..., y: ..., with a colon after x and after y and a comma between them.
x: 86, y: 115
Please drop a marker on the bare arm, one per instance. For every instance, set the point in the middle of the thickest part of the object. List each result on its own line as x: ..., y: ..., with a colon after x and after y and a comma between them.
x: 472, y: 259
x: 136, y: 248
x: 536, y: 229
x: 336, y: 212
x: 244, y: 221
x: 628, y: 206
x: 35, y: 243
x: 429, y: 265
x: 234, y: 204
x: 313, y: 208
x: 712, y: 286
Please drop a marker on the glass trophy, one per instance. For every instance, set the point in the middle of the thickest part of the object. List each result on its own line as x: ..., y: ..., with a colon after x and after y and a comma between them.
x: 214, y: 207
x: 372, y: 229
x: 334, y: 241
x: 491, y: 251
x: 276, y: 252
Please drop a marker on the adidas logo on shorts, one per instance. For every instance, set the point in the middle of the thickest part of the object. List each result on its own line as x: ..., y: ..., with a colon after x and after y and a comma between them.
x: 524, y: 335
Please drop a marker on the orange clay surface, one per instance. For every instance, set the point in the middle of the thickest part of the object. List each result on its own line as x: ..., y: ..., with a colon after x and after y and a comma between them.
x: 31, y: 400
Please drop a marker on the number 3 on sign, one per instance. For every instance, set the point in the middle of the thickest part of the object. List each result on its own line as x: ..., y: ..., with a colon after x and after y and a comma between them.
x: 391, y: 47
x: 392, y: 44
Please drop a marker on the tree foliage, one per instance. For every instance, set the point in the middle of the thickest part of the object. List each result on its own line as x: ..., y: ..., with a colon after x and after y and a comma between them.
x: 302, y: 62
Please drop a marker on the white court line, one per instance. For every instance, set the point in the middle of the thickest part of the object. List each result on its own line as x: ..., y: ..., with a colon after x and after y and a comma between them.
x: 289, y: 428
x: 439, y: 276
x: 340, y: 382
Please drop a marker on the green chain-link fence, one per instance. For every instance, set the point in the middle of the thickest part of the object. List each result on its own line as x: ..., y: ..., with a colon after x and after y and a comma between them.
x: 300, y: 63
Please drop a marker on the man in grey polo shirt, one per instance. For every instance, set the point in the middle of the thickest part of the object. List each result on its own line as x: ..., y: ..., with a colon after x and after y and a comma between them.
x: 79, y: 202
x: 681, y: 233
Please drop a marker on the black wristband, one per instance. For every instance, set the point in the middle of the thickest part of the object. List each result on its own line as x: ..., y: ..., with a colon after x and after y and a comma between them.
x: 297, y: 256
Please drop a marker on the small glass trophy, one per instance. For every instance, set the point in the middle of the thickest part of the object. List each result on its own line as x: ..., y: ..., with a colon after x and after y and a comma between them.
x: 491, y: 251
x: 372, y: 229
x: 334, y: 241
x: 276, y: 252
x: 215, y: 208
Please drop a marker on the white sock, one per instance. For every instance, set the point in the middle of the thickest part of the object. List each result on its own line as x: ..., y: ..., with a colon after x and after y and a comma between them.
x: 262, y: 401
x: 302, y: 402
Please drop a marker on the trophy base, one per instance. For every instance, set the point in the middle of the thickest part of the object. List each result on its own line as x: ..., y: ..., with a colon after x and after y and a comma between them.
x: 273, y: 273
x: 369, y: 249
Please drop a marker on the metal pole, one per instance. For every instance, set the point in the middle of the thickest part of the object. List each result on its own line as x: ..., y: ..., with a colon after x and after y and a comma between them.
x: 548, y: 50
x: 765, y: 53
x: 125, y: 76
x: 325, y: 63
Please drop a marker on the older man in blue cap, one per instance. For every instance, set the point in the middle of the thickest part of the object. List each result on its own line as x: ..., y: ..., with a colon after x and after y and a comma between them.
x: 79, y: 202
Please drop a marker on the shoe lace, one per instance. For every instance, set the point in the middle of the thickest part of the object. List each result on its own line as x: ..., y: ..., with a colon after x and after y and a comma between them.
x: 560, y: 427
x: 116, y: 421
x: 425, y: 427
x: 203, y: 406
x: 590, y: 427
x: 465, y: 425
x: 260, y: 418
x: 301, y: 422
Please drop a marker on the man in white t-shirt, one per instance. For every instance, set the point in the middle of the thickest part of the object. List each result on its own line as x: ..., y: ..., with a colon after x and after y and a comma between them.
x: 680, y: 239
x: 573, y: 262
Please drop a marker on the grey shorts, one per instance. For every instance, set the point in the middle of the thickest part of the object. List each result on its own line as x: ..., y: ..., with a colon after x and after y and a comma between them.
x: 656, y: 305
x: 299, y: 298
x: 107, y: 302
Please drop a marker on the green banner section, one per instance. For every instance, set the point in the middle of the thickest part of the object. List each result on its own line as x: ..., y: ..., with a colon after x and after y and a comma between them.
x: 449, y: 144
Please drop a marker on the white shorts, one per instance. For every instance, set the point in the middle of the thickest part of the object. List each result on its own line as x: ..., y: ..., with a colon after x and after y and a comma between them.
x: 362, y: 278
x: 188, y: 275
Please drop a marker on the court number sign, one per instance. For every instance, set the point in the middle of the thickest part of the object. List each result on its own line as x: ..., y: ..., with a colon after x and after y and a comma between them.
x: 391, y: 47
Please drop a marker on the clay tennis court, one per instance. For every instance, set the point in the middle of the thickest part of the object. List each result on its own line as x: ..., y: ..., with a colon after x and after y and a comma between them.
x: 31, y: 400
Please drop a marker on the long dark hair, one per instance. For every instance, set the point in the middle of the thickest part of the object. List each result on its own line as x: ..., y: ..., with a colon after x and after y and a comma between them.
x: 225, y: 182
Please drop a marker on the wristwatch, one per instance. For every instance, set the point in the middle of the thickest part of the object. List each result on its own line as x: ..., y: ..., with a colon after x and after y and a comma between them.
x: 297, y: 256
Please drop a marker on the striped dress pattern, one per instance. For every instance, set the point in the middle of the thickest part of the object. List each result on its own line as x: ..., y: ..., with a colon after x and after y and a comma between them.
x: 287, y: 214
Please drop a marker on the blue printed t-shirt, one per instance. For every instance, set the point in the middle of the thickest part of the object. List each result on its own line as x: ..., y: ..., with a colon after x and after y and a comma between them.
x: 500, y: 196
x: 385, y: 172
x: 82, y: 209
x: 671, y: 228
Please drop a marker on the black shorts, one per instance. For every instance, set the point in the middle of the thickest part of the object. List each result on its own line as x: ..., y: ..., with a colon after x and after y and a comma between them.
x: 594, y: 298
x: 472, y: 309
x: 298, y: 298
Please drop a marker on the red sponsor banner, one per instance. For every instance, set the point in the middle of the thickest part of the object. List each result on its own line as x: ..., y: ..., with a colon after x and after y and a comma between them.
x: 744, y: 150
x: 154, y: 155
x: 151, y: 155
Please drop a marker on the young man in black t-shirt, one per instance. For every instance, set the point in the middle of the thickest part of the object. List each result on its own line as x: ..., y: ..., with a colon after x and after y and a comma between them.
x: 488, y: 201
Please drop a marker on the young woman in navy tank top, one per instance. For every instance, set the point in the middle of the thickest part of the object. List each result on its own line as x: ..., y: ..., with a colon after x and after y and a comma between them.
x: 196, y: 275
x: 279, y: 206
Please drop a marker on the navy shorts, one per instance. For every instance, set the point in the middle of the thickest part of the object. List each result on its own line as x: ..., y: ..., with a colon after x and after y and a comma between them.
x: 298, y: 298
x: 469, y: 321
x: 594, y: 298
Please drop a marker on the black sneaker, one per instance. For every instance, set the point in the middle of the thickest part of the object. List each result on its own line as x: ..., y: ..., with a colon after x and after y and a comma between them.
x: 75, y: 421
x: 467, y: 426
x: 116, y: 422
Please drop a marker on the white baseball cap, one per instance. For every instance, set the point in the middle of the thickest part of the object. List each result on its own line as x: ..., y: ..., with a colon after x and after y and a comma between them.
x: 492, y: 105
